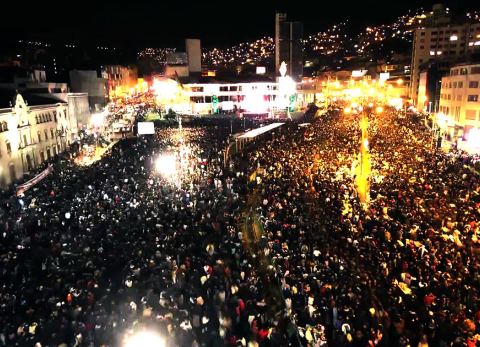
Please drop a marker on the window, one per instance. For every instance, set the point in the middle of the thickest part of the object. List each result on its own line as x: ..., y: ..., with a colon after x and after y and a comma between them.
x: 196, y: 99
x: 233, y: 88
x: 52, y: 134
x: 434, y: 32
x: 208, y: 99
x: 224, y: 89
x: 475, y: 70
x: 197, y: 89
x: 471, y: 114
x: 46, y: 134
x: 463, y: 71
x: 9, y: 147
x: 39, y: 137
x: 422, y: 33
x: 25, y: 142
x: 472, y: 98
x: 460, y: 84
x: 3, y: 126
x: 422, y: 47
x: 473, y: 84
x: 454, y: 84
x: 37, y: 119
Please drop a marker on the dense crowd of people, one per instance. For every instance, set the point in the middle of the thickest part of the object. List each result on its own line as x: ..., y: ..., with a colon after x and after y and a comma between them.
x: 93, y: 254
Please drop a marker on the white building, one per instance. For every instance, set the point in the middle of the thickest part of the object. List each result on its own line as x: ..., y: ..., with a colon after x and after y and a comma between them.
x: 460, y: 99
x: 442, y: 44
x: 31, y: 132
x: 255, y: 98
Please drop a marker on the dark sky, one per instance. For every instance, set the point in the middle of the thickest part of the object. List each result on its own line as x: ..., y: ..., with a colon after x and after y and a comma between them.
x: 163, y: 23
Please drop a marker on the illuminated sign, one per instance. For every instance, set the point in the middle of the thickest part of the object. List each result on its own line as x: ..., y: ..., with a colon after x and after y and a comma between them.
x: 145, y: 128
x: 261, y: 70
x: 384, y: 76
x: 359, y: 73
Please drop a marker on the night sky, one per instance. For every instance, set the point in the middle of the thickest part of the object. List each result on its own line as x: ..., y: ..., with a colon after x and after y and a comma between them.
x: 141, y: 23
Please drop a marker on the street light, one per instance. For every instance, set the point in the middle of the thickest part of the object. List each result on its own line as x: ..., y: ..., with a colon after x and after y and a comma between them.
x: 166, y: 165
x: 145, y: 339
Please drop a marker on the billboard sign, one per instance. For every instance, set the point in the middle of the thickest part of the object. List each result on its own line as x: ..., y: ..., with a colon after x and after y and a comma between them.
x: 145, y: 128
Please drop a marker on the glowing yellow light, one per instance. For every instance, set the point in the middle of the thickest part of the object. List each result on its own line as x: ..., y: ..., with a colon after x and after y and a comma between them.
x: 379, y: 109
x: 347, y: 110
x: 400, y: 81
x: 145, y: 339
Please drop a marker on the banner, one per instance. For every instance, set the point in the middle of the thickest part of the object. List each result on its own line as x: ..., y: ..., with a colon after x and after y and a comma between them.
x: 29, y: 184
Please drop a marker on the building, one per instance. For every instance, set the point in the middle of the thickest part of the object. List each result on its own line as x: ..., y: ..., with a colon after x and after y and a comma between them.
x: 89, y: 81
x: 194, y: 54
x: 289, y: 46
x: 32, y: 130
x: 460, y: 100
x: 177, y: 65
x: 280, y: 19
x: 119, y: 79
x: 78, y: 105
x: 443, y: 44
x: 185, y: 64
x: 267, y: 98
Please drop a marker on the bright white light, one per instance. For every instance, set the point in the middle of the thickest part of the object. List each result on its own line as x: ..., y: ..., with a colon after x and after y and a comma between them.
x: 166, y: 165
x: 145, y: 339
x: 97, y: 119
x: 365, y: 143
x: 453, y: 38
x: 473, y: 137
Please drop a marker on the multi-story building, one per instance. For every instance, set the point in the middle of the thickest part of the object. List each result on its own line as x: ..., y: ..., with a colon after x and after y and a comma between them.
x: 266, y: 98
x: 289, y: 46
x: 460, y: 99
x: 32, y: 130
x: 440, y: 45
x: 89, y: 81
x: 119, y: 79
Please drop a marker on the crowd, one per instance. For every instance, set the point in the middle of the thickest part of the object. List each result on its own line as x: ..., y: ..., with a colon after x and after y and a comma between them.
x: 93, y: 254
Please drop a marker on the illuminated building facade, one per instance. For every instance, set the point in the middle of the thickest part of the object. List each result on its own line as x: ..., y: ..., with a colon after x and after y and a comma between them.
x: 32, y: 130
x: 119, y: 79
x: 460, y: 98
x: 255, y: 98
x: 443, y: 45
